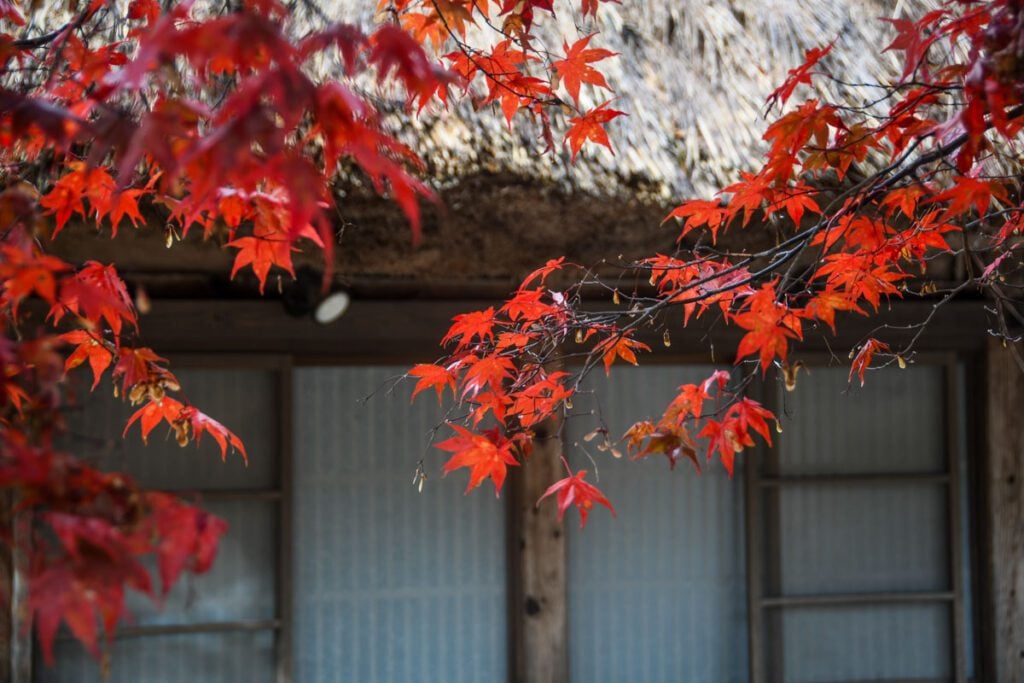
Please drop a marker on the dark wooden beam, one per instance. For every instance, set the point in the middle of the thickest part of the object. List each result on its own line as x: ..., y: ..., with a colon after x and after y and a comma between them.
x: 387, y: 330
x: 537, y: 577
x: 1004, y: 493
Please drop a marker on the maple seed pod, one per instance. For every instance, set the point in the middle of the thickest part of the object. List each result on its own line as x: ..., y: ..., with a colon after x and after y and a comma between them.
x: 156, y: 392
x: 778, y: 427
x: 568, y: 403
x: 615, y: 297
x: 901, y: 362
x: 666, y: 339
x: 579, y: 336
x: 136, y: 393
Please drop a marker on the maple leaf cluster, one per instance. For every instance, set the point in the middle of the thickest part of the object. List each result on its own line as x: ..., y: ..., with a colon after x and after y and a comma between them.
x: 240, y: 125
x: 92, y: 532
x: 860, y: 203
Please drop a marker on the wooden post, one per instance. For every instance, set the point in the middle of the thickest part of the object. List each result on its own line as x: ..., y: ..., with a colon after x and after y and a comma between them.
x: 1004, y: 484
x: 7, y: 615
x: 15, y: 641
x: 538, y: 606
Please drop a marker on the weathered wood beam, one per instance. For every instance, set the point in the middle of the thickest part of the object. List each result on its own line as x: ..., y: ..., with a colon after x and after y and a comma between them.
x: 539, y: 614
x: 384, y: 330
x: 1004, y: 495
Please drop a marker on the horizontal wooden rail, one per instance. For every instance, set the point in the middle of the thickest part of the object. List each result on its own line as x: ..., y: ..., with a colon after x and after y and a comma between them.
x: 826, y: 600
x: 839, y: 479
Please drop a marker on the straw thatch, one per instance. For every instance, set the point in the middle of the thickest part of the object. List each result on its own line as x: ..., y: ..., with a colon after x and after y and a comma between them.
x: 693, y: 76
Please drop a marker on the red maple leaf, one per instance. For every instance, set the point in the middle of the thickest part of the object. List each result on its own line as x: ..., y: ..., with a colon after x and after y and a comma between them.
x: 486, y: 455
x: 863, y: 358
x: 575, y: 69
x: 201, y: 423
x: 95, y: 292
x: 697, y: 212
x: 572, y: 490
x: 467, y: 326
x: 731, y: 434
x: 801, y: 74
x: 544, y: 271
x: 153, y: 413
x: 89, y: 348
x: 432, y: 377
x: 771, y: 325
x: 590, y: 128
x: 489, y: 371
x: 619, y: 346
x: 262, y: 253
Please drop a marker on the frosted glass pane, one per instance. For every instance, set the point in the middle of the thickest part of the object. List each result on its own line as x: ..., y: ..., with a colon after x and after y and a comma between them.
x: 390, y: 584
x: 187, y: 658
x: 892, y: 642
x: 863, y: 538
x: 241, y: 583
x: 241, y: 400
x: 659, y: 593
x: 895, y: 423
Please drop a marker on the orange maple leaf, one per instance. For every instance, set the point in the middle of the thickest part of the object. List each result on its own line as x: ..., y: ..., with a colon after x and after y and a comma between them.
x: 590, y: 128
x: 575, y: 69
x: 619, y: 346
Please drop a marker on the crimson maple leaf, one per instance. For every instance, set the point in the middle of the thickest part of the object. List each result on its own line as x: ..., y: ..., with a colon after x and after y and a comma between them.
x: 95, y: 292
x: 575, y: 69
x: 572, y: 490
x: 486, y: 455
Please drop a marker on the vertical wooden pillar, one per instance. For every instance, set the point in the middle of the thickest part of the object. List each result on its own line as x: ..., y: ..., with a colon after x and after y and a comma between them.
x: 537, y: 591
x: 15, y: 640
x: 7, y: 614
x: 1004, y: 484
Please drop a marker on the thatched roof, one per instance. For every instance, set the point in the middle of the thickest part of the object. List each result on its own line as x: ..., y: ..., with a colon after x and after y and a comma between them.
x: 693, y: 77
